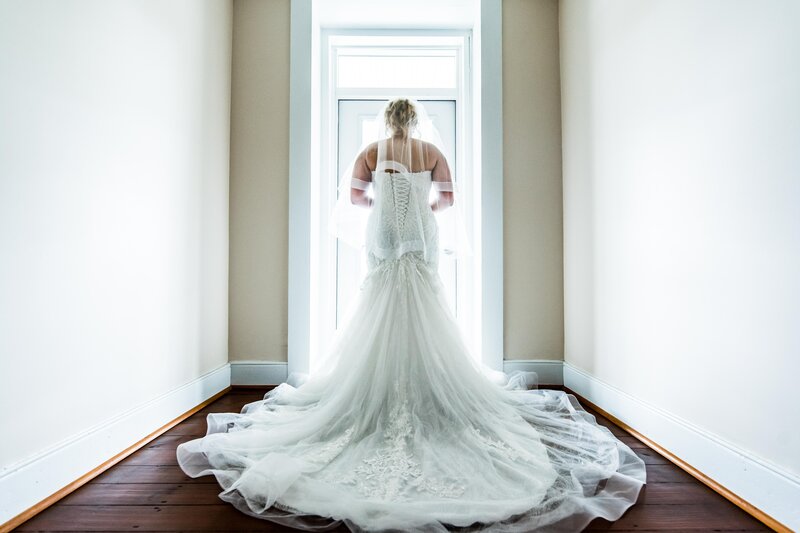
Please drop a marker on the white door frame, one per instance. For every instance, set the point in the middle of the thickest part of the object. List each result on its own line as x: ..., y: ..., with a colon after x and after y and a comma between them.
x: 335, y: 42
x: 304, y: 150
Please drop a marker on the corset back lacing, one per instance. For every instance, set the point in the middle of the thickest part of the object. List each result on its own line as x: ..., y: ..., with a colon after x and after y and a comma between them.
x: 401, y: 190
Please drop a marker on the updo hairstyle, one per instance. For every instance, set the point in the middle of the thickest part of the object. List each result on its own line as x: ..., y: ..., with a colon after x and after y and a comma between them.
x: 400, y: 116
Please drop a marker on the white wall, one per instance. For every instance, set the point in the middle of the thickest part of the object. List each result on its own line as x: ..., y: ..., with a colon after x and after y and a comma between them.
x: 260, y: 173
x: 681, y: 150
x: 114, y: 144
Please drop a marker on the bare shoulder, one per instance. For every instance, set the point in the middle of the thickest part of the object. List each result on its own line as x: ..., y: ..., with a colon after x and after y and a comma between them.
x: 370, y: 154
x: 433, y: 154
x: 430, y: 148
x: 371, y: 148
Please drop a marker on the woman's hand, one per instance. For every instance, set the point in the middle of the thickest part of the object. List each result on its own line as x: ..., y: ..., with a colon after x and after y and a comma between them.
x: 443, y: 200
x: 360, y: 197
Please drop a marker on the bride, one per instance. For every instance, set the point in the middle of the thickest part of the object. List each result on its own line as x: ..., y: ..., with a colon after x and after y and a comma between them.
x: 400, y: 428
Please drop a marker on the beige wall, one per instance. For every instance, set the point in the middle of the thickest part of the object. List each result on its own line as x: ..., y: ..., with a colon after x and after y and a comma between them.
x: 532, y: 247
x: 113, y: 211
x: 259, y: 192
x: 682, y: 236
x: 259, y: 181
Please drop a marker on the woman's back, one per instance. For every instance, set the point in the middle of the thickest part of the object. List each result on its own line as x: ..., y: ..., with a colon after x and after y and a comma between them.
x: 401, y: 220
x: 415, y: 155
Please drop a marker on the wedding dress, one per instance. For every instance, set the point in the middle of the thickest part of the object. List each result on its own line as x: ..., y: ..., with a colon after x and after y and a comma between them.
x: 401, y: 429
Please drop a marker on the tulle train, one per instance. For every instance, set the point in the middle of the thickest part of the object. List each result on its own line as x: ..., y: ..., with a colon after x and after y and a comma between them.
x: 401, y: 430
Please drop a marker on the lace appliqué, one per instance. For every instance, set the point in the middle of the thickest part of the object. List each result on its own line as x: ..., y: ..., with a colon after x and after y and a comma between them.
x: 393, y: 472
x: 330, y: 450
x: 504, y: 449
x: 497, y: 444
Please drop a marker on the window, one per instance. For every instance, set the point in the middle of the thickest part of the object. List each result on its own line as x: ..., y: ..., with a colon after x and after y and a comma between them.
x: 371, y: 68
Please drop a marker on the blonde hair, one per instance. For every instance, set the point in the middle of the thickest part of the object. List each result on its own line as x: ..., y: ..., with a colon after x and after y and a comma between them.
x: 400, y: 116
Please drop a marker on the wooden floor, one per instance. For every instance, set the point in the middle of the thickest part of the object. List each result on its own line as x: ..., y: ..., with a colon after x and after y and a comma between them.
x: 149, y: 492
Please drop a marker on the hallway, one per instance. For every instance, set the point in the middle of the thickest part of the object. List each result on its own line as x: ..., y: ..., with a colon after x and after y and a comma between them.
x: 147, y: 491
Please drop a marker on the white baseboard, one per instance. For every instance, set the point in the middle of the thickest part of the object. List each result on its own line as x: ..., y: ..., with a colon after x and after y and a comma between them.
x: 258, y: 372
x: 549, y: 372
x: 768, y: 487
x: 274, y: 373
x: 28, y: 482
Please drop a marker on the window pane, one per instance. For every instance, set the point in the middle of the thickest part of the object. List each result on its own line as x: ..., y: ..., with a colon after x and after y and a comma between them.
x: 368, y: 130
x: 397, y: 71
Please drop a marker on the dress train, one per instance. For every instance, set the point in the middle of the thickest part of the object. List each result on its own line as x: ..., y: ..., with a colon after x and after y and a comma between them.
x: 400, y: 430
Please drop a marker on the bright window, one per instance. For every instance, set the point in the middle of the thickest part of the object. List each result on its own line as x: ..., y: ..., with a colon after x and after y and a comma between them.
x: 398, y: 71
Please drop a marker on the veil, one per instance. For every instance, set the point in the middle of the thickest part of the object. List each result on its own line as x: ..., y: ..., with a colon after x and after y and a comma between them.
x: 419, y: 149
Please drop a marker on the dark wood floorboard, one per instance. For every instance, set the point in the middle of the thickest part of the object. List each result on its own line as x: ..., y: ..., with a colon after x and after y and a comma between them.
x: 149, y: 492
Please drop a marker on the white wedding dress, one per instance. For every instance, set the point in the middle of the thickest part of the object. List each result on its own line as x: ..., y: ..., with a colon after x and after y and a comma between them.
x: 401, y: 430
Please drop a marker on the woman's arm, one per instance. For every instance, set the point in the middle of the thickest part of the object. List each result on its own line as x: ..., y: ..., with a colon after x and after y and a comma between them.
x: 444, y: 201
x: 362, y: 176
x: 442, y: 182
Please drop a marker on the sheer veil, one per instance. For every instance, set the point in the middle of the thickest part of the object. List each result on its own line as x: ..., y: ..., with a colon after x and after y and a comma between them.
x: 348, y: 221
